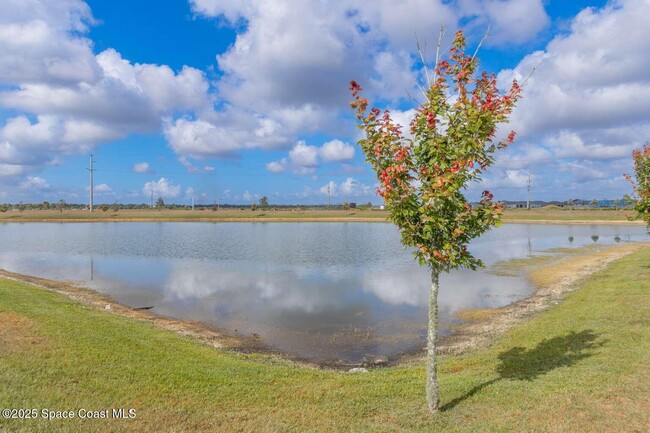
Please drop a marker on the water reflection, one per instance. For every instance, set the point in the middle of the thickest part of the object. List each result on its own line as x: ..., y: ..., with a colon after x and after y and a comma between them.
x: 319, y: 291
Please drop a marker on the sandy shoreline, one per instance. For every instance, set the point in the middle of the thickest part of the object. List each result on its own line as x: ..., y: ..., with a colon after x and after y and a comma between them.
x: 552, y: 282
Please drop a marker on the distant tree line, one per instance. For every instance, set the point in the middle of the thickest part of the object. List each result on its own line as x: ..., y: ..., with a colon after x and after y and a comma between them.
x: 625, y: 202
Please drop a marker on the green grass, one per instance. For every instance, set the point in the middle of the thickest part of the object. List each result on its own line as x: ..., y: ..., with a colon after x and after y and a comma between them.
x: 515, y: 267
x: 271, y: 214
x: 581, y: 366
x: 554, y: 213
x: 521, y: 266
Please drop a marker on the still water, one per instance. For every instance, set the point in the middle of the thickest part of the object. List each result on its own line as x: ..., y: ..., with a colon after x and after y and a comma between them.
x: 321, y: 291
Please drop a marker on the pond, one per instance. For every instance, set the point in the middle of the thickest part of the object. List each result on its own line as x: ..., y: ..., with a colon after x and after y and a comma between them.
x: 338, y: 292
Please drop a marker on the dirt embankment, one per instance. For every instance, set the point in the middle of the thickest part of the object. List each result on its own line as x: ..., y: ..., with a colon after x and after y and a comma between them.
x: 552, y: 282
x: 100, y: 301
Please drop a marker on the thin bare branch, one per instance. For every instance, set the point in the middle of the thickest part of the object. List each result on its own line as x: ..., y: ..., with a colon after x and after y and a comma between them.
x: 485, y: 36
x: 531, y: 74
x: 435, y: 68
x: 424, y: 93
x: 412, y: 98
x: 424, y: 63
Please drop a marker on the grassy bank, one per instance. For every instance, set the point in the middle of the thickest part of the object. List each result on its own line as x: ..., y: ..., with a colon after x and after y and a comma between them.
x: 581, y: 366
x: 553, y: 213
x: 549, y: 214
x: 222, y: 215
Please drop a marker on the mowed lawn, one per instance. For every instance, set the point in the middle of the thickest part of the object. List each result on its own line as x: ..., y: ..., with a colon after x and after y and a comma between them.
x: 582, y: 366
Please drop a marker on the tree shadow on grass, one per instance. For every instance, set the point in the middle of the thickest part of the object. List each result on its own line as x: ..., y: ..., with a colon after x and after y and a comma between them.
x: 520, y: 363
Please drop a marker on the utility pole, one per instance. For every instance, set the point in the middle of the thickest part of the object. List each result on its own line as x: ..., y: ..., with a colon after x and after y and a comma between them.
x: 152, y: 197
x: 328, y: 196
x: 528, y: 200
x: 192, y: 200
x: 91, y: 181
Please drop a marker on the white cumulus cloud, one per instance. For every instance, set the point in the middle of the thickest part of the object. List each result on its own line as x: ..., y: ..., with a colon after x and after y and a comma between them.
x: 36, y: 46
x: 103, y: 188
x: 287, y: 72
x: 161, y: 188
x: 586, y: 106
x: 304, y: 159
x: 336, y: 150
x: 35, y: 182
x: 510, y: 22
x: 350, y: 187
x: 64, y: 99
x: 142, y: 167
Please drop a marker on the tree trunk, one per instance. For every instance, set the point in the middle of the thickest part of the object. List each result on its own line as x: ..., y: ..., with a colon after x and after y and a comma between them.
x: 433, y: 398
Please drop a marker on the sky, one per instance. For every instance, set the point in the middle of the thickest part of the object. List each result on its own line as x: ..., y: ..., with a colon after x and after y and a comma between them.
x: 233, y: 100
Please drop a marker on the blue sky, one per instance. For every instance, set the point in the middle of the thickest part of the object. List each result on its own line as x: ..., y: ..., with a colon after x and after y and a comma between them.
x: 239, y: 99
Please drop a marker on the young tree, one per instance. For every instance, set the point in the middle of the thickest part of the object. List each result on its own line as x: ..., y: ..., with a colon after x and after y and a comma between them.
x: 423, y: 178
x: 641, y: 159
x: 160, y: 203
x: 264, y: 202
x: 627, y: 200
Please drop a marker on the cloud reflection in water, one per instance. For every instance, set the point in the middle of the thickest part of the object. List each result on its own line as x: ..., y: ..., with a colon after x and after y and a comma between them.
x: 319, y: 291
